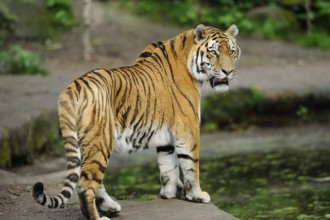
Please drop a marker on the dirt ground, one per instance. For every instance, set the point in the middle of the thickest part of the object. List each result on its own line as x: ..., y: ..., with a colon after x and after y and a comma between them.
x: 118, y: 38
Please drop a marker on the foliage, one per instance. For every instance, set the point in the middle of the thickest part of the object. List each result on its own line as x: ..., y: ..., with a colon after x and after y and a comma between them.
x: 58, y: 17
x: 281, y: 184
x: 61, y: 13
x: 228, y: 109
x: 245, y: 107
x: 302, y: 113
x: 7, y: 21
x: 284, y: 19
x: 316, y: 39
x: 49, y: 18
x: 20, y: 61
x: 130, y: 183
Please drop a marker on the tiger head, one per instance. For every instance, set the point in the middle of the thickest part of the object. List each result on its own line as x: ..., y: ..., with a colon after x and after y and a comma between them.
x: 214, y: 56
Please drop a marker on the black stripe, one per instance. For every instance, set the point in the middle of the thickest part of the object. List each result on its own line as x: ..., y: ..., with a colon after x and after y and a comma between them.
x: 70, y: 94
x: 137, y: 108
x: 74, y: 160
x: 145, y: 54
x: 86, y: 84
x: 140, y: 75
x: 150, y: 135
x: 77, y: 85
x: 172, y: 43
x: 67, y: 108
x: 65, y: 121
x: 196, y: 60
x: 69, y: 150
x: 120, y: 85
x: 51, y: 201
x: 101, y: 167
x: 67, y: 184
x: 83, y: 204
x: 71, y: 140
x: 169, y: 149
x: 184, y: 40
x: 56, y: 202
x: 187, y: 157
x: 66, y: 194
x: 44, y: 200
x: 84, y: 175
x: 62, y: 202
x: 73, y: 177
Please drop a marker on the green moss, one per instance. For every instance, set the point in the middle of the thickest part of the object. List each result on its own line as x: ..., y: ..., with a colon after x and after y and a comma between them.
x: 35, y: 138
x: 5, y: 153
x: 134, y: 183
x: 245, y: 107
x: 43, y: 135
x: 280, y: 184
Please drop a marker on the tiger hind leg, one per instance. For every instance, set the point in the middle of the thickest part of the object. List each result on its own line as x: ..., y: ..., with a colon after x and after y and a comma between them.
x: 105, y: 204
x: 171, y: 185
x: 88, y: 199
x: 92, y: 173
x: 91, y: 203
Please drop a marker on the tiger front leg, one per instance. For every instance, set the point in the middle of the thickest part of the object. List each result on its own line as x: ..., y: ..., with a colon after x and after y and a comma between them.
x: 188, y: 156
x: 171, y: 185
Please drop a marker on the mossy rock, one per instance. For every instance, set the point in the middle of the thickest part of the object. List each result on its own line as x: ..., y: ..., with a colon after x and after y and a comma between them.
x: 25, y: 144
x: 5, y: 152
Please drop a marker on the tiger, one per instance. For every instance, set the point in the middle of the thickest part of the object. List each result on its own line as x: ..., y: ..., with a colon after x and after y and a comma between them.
x: 153, y: 103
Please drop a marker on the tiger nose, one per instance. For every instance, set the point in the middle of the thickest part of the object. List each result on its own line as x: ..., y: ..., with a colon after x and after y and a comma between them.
x: 227, y: 72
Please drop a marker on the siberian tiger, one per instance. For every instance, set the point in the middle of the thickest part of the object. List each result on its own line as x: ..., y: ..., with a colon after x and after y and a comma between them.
x: 154, y: 103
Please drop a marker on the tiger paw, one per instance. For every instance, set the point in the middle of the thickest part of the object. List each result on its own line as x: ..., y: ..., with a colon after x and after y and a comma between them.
x: 104, y: 218
x: 180, y: 191
x: 172, y: 190
x: 201, y: 197
x: 108, y: 208
x: 168, y: 192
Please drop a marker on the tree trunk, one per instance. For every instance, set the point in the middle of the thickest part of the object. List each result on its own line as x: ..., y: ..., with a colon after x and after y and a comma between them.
x: 308, y: 16
x: 86, y: 37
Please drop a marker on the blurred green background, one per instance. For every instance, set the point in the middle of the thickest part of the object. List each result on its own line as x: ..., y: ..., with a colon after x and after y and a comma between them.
x: 306, y: 22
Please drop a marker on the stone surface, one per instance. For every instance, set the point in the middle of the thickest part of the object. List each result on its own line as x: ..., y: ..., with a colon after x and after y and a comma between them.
x: 171, y: 209
x: 17, y: 203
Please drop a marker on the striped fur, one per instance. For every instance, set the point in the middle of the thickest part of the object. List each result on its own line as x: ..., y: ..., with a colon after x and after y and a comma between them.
x: 154, y: 103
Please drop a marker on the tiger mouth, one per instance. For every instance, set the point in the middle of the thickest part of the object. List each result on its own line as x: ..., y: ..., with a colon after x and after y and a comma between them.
x: 214, y: 81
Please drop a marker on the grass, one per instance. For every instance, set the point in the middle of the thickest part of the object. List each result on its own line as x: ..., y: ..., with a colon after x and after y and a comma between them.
x: 280, y: 184
x: 315, y: 39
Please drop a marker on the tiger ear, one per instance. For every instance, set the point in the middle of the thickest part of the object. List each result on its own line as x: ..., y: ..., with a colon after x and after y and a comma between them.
x: 232, y: 30
x: 199, y: 33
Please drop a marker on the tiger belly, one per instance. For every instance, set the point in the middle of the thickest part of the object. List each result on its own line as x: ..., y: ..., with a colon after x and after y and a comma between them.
x: 130, y: 141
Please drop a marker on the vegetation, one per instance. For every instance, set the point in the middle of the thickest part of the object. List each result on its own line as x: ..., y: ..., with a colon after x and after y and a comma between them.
x: 303, y: 21
x: 19, y: 61
x: 7, y: 21
x: 60, y: 15
x: 282, y: 184
x: 249, y: 107
x: 50, y: 18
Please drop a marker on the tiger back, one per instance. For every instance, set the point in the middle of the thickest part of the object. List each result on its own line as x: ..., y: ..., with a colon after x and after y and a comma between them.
x: 153, y: 103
